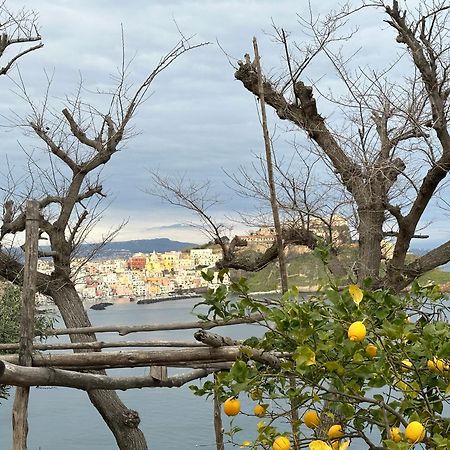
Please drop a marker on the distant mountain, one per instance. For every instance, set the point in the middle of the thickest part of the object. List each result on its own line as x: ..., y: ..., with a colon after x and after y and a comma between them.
x: 418, y: 251
x: 125, y: 249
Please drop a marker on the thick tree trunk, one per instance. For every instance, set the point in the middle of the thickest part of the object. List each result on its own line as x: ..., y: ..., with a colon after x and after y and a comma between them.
x: 123, y: 422
x: 370, y: 232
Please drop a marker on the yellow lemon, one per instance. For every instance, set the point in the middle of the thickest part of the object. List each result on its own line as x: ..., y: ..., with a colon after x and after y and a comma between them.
x: 371, y: 350
x: 259, y: 410
x: 336, y: 445
x: 232, y: 406
x: 414, y: 432
x: 394, y: 434
x: 431, y: 365
x: 442, y: 366
x: 281, y: 443
x: 357, y: 331
x: 319, y: 445
x: 406, y: 365
x: 438, y: 366
x: 311, y: 419
x: 335, y: 432
x: 246, y: 444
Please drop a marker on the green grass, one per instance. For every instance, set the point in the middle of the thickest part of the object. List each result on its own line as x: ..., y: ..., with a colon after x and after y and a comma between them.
x: 438, y: 276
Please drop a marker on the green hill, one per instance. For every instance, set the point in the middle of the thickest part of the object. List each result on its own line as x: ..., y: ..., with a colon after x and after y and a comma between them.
x: 306, y: 271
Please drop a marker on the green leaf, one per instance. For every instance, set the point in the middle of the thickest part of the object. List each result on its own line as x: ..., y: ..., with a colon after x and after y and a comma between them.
x: 208, y: 276
x: 304, y: 357
x: 391, y: 445
x: 239, y: 371
x: 335, y: 366
x: 347, y: 410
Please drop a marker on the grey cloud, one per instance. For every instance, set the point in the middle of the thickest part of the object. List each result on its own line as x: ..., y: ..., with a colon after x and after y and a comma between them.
x: 199, y: 119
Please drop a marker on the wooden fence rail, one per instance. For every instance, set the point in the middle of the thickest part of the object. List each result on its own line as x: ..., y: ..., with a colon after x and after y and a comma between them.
x: 96, y: 345
x: 127, y: 329
x: 43, y: 376
x: 130, y: 358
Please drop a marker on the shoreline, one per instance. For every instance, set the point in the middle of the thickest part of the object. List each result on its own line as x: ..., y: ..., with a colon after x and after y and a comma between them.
x: 103, y: 303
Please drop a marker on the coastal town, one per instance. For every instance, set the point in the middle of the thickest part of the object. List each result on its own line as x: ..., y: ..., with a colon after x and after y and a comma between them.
x: 154, y: 275
x: 142, y: 275
x: 167, y: 274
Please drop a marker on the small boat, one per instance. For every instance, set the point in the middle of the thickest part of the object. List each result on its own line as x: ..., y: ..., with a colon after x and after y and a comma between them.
x: 100, y: 306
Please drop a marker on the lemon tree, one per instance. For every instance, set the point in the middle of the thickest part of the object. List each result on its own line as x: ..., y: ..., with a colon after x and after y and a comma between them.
x: 363, y: 367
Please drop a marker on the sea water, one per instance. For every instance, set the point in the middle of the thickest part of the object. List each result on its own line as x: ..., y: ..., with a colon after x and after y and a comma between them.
x: 173, y: 419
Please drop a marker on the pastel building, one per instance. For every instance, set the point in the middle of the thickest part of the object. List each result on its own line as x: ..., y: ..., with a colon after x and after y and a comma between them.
x: 137, y: 261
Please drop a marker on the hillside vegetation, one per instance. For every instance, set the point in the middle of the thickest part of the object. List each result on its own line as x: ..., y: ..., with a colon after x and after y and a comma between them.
x: 306, y: 271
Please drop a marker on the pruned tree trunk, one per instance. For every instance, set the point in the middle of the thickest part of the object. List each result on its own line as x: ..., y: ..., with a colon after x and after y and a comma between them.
x: 370, y: 232
x: 122, y: 421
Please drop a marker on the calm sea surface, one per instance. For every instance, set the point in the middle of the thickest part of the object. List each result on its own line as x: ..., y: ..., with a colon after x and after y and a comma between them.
x: 173, y: 419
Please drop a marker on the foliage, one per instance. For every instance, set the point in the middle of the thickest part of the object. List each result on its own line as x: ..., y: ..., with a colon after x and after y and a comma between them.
x: 321, y: 369
x: 10, y: 308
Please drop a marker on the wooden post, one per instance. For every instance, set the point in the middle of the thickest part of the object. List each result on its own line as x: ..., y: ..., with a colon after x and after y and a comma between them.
x: 218, y: 428
x: 20, y: 407
x: 159, y: 373
x: 270, y: 175
x: 277, y: 223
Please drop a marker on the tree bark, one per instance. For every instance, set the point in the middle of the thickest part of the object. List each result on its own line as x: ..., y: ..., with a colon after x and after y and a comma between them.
x: 97, y: 345
x: 123, y: 422
x: 370, y: 232
x: 127, y: 329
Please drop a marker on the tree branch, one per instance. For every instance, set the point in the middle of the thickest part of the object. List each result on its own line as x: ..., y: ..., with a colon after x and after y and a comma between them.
x: 54, y: 148
x: 4, y: 70
x: 434, y: 258
x: 305, y: 116
x: 135, y: 358
x: 79, y: 133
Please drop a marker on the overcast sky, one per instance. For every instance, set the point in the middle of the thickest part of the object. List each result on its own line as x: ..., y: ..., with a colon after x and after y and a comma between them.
x: 199, y: 121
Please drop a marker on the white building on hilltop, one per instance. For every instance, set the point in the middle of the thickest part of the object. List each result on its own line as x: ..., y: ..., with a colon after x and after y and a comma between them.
x: 204, y: 257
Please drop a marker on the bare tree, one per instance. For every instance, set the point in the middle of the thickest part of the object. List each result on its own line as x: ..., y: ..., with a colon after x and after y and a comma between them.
x: 387, y: 153
x: 79, y: 141
x: 197, y: 198
x: 390, y: 148
x: 19, y: 35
